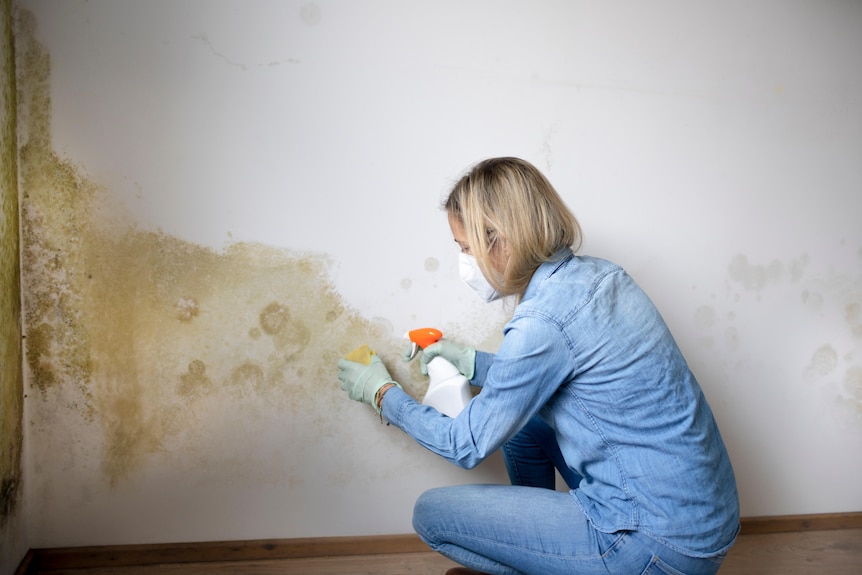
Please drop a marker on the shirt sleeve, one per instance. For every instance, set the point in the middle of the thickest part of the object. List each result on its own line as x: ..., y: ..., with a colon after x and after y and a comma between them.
x: 533, y: 361
x: 481, y: 367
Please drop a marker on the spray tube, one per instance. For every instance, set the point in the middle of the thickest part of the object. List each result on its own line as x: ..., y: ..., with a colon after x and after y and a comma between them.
x: 448, y: 390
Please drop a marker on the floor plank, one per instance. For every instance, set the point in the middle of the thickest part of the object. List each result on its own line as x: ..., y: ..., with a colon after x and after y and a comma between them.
x: 837, y: 552
x: 833, y: 552
x: 395, y: 564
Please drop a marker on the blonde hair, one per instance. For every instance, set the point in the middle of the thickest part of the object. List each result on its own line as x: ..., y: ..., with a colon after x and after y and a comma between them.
x: 507, y: 204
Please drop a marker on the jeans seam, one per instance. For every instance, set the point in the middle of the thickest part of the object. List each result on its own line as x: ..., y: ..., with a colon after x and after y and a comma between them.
x: 513, y: 464
x: 613, y: 545
x: 511, y: 546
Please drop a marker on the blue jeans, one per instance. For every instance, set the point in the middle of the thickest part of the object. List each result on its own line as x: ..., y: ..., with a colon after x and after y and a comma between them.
x: 515, y: 530
x: 533, y: 455
x: 529, y: 528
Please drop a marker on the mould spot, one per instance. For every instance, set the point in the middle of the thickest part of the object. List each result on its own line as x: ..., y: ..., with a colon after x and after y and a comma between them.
x: 274, y: 318
x: 406, y: 284
x: 289, y: 336
x: 823, y: 362
x: 849, y: 407
x: 9, y: 488
x: 187, y: 309
x: 39, y: 340
x: 853, y: 315
x: 853, y: 383
x: 797, y: 267
x: 754, y: 277
x: 194, y: 381
x: 812, y: 300
x: 248, y: 376
x: 432, y: 264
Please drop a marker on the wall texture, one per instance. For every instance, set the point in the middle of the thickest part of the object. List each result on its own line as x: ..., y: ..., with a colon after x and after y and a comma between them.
x: 12, y: 529
x: 221, y: 198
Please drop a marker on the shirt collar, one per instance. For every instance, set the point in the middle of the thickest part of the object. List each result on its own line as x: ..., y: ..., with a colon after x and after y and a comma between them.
x: 546, y: 270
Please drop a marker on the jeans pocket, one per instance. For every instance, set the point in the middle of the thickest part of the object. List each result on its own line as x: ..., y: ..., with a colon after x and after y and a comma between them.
x: 608, y: 541
x: 658, y: 567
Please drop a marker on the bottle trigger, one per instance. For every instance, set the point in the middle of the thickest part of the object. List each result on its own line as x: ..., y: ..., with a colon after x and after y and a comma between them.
x: 425, y: 336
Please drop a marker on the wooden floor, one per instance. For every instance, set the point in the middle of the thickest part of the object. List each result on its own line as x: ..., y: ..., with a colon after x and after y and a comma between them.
x: 832, y: 552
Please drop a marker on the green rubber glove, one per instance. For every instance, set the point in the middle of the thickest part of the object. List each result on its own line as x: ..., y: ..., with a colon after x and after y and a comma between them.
x: 462, y: 357
x: 361, y: 382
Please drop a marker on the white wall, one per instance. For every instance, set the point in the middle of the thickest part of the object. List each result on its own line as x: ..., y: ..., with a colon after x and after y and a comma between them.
x: 715, y: 150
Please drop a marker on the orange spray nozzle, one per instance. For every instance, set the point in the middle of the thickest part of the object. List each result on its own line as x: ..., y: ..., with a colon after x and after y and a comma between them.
x: 423, y: 337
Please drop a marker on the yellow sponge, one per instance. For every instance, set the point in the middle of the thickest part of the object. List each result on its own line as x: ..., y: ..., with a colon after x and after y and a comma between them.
x: 361, y: 354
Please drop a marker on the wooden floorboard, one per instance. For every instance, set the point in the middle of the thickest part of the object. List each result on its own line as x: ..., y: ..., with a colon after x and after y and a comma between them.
x: 394, y: 564
x: 830, y: 552
x: 836, y: 552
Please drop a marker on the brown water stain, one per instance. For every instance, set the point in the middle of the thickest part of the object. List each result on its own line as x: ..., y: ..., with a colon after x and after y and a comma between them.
x: 142, y: 329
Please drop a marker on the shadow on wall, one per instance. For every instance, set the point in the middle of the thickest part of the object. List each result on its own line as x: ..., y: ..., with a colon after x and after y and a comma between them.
x: 136, y: 332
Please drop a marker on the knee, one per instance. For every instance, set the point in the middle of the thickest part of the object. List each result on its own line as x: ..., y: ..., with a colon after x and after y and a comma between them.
x: 426, y: 512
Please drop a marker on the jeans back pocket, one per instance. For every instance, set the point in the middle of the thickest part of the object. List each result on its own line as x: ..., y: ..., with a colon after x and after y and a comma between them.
x: 658, y: 567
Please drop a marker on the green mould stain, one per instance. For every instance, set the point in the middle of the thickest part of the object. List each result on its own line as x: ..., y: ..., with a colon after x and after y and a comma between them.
x: 11, y: 374
x: 134, y: 332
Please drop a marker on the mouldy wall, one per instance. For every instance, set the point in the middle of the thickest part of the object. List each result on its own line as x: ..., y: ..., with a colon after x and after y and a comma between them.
x: 136, y: 340
x: 11, y: 388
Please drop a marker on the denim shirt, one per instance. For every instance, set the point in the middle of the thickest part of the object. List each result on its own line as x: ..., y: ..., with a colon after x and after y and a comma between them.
x: 589, y: 353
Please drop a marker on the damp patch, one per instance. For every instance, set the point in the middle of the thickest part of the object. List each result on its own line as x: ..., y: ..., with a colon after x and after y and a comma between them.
x: 132, y: 332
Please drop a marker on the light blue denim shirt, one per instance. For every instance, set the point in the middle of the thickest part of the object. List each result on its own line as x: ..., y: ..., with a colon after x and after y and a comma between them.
x: 588, y: 351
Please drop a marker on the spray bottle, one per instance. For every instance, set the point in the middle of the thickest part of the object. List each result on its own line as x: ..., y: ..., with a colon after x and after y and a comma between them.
x: 448, y: 390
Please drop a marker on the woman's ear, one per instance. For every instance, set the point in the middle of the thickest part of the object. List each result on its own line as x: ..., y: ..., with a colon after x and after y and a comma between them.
x: 499, y: 256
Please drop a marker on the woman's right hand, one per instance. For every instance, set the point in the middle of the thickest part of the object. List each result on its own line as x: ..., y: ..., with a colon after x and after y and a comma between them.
x: 462, y: 357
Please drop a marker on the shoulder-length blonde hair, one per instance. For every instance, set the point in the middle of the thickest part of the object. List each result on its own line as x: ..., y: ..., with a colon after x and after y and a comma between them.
x: 507, y: 204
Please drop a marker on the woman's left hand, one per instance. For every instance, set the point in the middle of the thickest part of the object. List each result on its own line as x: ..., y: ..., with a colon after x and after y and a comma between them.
x: 362, y: 382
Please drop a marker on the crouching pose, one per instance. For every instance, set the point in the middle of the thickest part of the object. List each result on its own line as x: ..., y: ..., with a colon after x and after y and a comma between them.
x: 589, y: 381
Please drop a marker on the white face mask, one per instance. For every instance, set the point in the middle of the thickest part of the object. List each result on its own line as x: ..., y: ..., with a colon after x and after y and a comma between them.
x: 472, y: 276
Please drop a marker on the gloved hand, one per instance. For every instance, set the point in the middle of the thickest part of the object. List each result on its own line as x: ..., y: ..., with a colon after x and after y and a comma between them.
x: 462, y: 357
x: 361, y: 382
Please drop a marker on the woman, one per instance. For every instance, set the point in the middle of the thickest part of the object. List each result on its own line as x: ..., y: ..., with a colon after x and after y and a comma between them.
x: 589, y: 380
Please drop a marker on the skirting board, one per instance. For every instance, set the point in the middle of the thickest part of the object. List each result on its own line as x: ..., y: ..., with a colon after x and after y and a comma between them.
x: 45, y: 560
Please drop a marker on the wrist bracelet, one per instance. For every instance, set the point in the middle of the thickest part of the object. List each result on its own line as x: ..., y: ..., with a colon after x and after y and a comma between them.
x: 378, y: 399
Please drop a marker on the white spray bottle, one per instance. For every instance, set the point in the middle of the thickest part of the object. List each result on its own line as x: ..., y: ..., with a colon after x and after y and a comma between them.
x: 448, y: 390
